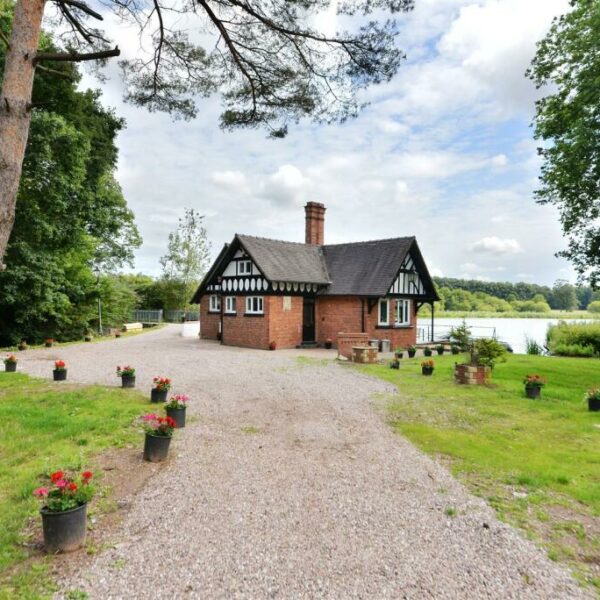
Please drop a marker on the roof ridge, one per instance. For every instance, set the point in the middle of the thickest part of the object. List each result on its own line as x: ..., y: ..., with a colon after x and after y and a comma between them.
x: 266, y: 239
x: 406, y: 237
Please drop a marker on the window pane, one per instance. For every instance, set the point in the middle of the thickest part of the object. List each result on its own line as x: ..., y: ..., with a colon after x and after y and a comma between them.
x: 383, y: 311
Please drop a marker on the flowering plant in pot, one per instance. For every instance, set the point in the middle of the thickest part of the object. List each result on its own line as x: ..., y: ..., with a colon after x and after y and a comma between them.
x: 440, y: 349
x: 159, y: 431
x: 328, y: 343
x: 64, y: 510
x: 593, y: 399
x: 427, y: 367
x: 22, y: 345
x: 176, y: 409
x: 534, y: 385
x: 60, y: 370
x: 10, y: 363
x: 412, y: 350
x: 160, y: 389
x: 49, y: 342
x: 454, y: 349
x: 399, y: 353
x: 127, y: 375
x: 427, y: 351
x: 395, y: 364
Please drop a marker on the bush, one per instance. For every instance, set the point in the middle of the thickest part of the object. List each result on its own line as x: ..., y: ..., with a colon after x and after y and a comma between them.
x: 594, y: 306
x: 532, y: 347
x: 574, y: 339
x: 487, y: 352
x: 531, y: 306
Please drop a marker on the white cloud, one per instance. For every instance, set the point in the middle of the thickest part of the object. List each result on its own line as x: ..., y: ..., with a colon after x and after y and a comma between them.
x: 230, y: 179
x: 495, y: 245
x: 287, y: 186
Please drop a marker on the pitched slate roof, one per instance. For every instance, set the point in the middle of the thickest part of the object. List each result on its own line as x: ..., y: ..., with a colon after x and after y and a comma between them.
x: 364, y: 268
x: 286, y: 261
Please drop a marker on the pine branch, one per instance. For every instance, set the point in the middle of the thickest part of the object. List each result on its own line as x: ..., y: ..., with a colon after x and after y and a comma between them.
x: 83, y: 7
x: 54, y: 72
x: 75, y: 56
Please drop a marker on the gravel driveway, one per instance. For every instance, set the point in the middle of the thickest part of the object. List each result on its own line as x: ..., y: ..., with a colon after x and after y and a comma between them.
x: 291, y: 485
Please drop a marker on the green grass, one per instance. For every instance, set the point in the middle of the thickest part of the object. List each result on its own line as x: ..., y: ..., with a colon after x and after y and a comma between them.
x: 536, y: 461
x: 45, y: 427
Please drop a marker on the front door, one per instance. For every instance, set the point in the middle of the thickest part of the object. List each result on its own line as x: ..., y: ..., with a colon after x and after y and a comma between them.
x: 308, y: 320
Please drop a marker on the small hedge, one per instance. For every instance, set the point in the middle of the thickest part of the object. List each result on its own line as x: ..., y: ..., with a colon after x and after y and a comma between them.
x: 574, y: 339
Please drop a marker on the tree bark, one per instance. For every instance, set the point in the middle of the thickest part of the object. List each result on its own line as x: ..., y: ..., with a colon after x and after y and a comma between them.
x: 15, y: 114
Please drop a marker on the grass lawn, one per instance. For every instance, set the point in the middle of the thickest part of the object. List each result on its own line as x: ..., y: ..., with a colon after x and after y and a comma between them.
x: 537, y: 462
x: 45, y: 427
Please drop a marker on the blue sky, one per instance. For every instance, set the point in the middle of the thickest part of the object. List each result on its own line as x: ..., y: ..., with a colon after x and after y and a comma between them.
x: 444, y: 152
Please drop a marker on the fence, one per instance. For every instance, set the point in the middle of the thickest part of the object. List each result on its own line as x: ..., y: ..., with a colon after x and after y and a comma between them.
x: 442, y: 333
x: 168, y: 316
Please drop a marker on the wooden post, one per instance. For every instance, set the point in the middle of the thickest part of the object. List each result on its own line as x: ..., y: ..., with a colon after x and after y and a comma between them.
x: 432, y: 311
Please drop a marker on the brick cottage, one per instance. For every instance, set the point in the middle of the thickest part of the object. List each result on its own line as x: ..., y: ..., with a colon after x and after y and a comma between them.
x: 260, y: 291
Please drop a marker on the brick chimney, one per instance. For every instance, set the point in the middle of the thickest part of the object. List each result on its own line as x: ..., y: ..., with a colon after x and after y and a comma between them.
x: 315, y: 223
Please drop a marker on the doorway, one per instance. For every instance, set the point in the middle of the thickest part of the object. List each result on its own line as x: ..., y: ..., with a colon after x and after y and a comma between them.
x: 308, y: 320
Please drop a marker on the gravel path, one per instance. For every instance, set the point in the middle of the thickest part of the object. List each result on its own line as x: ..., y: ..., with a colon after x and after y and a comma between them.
x: 291, y: 485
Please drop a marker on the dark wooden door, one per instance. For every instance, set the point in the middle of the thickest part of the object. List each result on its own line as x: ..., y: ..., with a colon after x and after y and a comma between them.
x: 308, y: 320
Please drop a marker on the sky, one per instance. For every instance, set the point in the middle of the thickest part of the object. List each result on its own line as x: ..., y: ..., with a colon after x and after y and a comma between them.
x: 445, y: 152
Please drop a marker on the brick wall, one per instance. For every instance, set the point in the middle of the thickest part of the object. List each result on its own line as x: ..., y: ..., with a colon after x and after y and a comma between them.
x: 246, y: 331
x: 401, y: 337
x: 285, y: 320
x: 209, y: 322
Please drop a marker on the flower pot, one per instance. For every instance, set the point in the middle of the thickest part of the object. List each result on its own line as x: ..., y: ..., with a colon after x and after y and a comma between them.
x: 455, y: 350
x: 427, y: 352
x: 156, y: 447
x: 178, y: 415
x: 128, y: 381
x: 157, y: 395
x: 87, y: 338
x: 64, y: 531
x: 60, y: 374
x: 594, y: 404
x: 399, y: 355
x: 427, y: 370
x: 10, y: 367
x: 440, y: 351
x: 22, y: 347
x: 411, y: 353
x: 533, y: 391
x: 48, y: 344
x: 395, y: 364
x: 328, y: 345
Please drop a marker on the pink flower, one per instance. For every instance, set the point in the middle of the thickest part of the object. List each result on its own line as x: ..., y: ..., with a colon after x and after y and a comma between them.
x: 40, y: 492
x: 61, y: 484
x: 150, y: 417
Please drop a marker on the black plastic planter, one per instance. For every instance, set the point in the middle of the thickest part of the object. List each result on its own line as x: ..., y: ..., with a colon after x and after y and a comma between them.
x: 60, y: 374
x: 328, y: 345
x: 411, y: 353
x: 156, y: 447
x: 427, y: 352
x: 427, y: 370
x: 64, y: 531
x: 440, y: 351
x: 48, y: 344
x: 10, y: 367
x: 128, y: 381
x: 178, y: 415
x: 157, y: 395
x: 533, y: 391
x: 395, y: 364
x: 455, y: 350
x: 399, y: 355
x: 594, y: 404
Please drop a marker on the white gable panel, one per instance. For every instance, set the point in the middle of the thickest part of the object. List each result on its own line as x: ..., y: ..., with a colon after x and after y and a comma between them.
x: 408, y: 281
x: 231, y: 270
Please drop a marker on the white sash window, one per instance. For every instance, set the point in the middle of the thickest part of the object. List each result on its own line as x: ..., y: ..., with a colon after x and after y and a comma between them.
x: 254, y: 305
x: 402, y: 312
x: 245, y: 267
x: 384, y: 312
x: 214, y: 304
x: 230, y: 305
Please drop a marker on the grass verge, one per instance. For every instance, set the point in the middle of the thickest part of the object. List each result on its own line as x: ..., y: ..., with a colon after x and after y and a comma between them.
x: 537, y: 462
x: 44, y: 427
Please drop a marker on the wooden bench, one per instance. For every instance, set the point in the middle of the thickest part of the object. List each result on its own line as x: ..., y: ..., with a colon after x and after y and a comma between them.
x: 345, y: 342
x: 132, y: 326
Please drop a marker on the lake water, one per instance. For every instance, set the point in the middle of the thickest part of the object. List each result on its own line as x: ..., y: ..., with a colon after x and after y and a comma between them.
x: 512, y: 331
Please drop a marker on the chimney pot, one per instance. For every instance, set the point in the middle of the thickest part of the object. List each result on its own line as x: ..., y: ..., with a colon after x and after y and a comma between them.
x: 315, y: 223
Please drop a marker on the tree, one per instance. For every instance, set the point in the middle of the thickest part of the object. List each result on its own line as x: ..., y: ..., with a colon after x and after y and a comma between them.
x: 187, y: 258
x: 270, y: 64
x: 568, y: 120
x: 564, y: 296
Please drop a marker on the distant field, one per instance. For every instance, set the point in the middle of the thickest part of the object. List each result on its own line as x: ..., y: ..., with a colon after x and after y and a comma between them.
x: 553, y: 314
x: 537, y: 462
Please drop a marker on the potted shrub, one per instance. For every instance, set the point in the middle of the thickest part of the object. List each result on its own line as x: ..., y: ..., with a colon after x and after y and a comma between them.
x: 399, y: 353
x: 127, y: 375
x: 161, y: 388
x: 60, y: 370
x: 88, y: 337
x: 328, y: 343
x: 412, y: 350
x: 273, y: 346
x: 395, y: 364
x: 22, y: 345
x: 440, y: 349
x: 159, y: 431
x: 176, y: 409
x: 593, y: 399
x: 484, y: 353
x: 117, y: 334
x: 49, y: 342
x: 10, y: 363
x: 454, y: 349
x: 427, y: 351
x: 533, y: 385
x: 64, y: 511
x: 427, y: 367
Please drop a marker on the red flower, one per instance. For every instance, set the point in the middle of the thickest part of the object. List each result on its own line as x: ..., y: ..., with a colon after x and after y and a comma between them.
x: 86, y: 475
x: 72, y: 486
x: 170, y: 421
x: 56, y: 476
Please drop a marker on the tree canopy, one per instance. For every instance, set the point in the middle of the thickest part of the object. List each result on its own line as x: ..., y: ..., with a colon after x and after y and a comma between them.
x: 567, y: 119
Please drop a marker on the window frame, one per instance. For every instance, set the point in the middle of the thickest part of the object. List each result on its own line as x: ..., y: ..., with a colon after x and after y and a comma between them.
x: 247, y: 267
x: 380, y: 322
x: 260, y: 303
x: 406, y: 304
x: 214, y: 303
x: 228, y: 301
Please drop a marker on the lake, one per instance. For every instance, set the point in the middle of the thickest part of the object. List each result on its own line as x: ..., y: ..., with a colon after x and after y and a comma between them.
x: 512, y: 331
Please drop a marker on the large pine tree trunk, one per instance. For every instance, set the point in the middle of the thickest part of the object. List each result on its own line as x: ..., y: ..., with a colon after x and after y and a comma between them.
x: 15, y: 114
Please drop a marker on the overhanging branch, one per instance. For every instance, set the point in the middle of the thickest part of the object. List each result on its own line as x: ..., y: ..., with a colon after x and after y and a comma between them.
x: 75, y: 56
x: 83, y: 7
